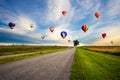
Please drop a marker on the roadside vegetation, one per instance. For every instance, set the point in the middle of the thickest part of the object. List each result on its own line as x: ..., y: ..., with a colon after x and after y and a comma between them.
x: 115, y: 50
x: 91, y: 65
x: 38, y: 50
x: 18, y: 49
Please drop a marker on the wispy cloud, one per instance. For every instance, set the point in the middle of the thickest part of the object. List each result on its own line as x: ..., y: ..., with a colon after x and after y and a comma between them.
x: 113, y: 8
x: 55, y: 9
x: 112, y: 32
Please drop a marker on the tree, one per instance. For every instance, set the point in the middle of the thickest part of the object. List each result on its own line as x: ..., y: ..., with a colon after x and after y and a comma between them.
x: 76, y: 42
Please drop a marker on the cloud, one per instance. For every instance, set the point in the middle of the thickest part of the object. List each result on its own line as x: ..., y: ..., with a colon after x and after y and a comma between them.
x: 113, y: 8
x: 85, y: 8
x: 55, y: 36
x: 55, y: 9
x: 112, y: 32
x: 23, y: 24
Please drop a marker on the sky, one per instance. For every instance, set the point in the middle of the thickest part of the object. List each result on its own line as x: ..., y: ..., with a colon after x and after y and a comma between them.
x: 44, y: 14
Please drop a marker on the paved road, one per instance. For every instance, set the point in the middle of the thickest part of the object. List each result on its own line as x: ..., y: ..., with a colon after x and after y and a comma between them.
x: 55, y: 66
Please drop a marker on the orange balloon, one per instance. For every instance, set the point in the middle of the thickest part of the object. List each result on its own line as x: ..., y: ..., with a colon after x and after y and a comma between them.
x: 64, y: 13
x: 52, y: 29
x: 97, y: 14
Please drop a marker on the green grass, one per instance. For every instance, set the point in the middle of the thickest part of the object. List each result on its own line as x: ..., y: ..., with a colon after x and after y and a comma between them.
x: 114, y: 50
x: 15, y: 58
x: 18, y: 49
x: 89, y: 65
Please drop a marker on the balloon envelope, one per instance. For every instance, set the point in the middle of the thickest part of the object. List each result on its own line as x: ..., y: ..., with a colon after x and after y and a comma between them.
x: 84, y: 28
x: 11, y: 25
x: 63, y: 34
x: 43, y: 36
x: 64, y: 13
x: 31, y: 25
x: 111, y: 42
x: 97, y: 14
x: 51, y: 29
x: 104, y: 35
x: 68, y: 40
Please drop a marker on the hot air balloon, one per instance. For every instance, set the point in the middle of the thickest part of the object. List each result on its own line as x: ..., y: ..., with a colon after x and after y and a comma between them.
x: 68, y: 40
x: 84, y: 28
x: 63, y: 34
x: 42, y: 36
x: 97, y: 14
x: 64, y: 13
x: 11, y: 25
x: 31, y: 25
x: 111, y: 42
x: 104, y: 35
x: 51, y: 29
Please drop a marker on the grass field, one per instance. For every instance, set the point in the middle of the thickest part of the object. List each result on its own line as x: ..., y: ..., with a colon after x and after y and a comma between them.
x: 115, y: 50
x: 91, y: 65
x: 8, y: 50
x: 39, y: 50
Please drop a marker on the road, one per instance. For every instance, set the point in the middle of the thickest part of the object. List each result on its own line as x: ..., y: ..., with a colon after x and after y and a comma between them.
x: 54, y: 66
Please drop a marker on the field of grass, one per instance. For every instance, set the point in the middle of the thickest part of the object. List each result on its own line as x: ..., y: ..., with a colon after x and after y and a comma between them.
x: 40, y: 51
x: 91, y: 65
x: 115, y: 50
x: 8, y: 50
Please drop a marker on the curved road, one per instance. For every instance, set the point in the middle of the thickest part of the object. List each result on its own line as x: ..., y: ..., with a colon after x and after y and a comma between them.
x: 54, y: 66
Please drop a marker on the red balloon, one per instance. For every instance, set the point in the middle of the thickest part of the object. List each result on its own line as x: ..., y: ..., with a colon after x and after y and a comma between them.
x: 97, y: 14
x: 64, y: 13
x: 84, y: 28
x: 104, y: 35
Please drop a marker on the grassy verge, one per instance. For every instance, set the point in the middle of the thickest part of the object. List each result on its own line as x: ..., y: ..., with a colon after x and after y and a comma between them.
x: 15, y: 58
x: 89, y: 65
x: 17, y: 49
x: 114, y: 50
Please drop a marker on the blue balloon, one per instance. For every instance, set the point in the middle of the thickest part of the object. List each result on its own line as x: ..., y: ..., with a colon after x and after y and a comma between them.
x: 63, y: 34
x: 11, y: 25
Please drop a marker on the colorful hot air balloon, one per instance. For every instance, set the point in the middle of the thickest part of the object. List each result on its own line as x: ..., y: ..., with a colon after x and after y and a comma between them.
x: 63, y: 34
x: 31, y: 26
x: 11, y: 25
x: 97, y: 14
x: 64, y: 13
x: 52, y: 29
x: 104, y: 35
x: 84, y: 28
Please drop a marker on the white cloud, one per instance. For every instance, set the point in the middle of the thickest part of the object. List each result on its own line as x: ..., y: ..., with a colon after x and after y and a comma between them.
x: 56, y: 34
x: 112, y: 32
x: 23, y: 24
x: 85, y: 8
x: 55, y: 8
x: 56, y: 37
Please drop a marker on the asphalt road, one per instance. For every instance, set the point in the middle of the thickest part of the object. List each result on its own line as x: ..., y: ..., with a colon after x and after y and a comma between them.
x: 54, y: 66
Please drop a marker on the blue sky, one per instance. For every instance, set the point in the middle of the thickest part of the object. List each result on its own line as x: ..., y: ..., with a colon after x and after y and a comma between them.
x: 46, y: 13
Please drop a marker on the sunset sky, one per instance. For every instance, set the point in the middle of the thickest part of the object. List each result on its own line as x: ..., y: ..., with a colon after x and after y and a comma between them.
x: 46, y: 13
